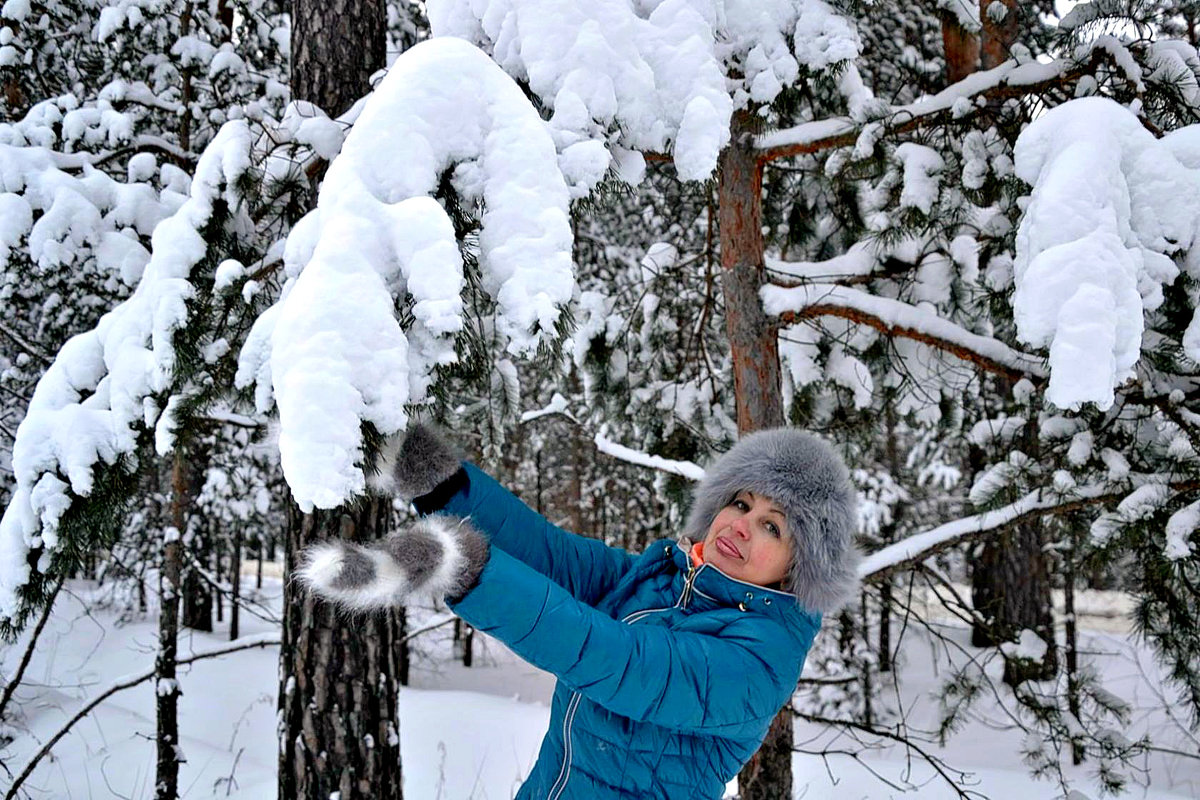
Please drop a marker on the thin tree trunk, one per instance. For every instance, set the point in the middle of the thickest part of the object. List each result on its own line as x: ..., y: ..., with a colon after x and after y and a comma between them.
x: 758, y: 394
x: 215, y: 590
x: 235, y: 583
x: 166, y: 785
x: 888, y: 536
x: 1072, y: 643
x: 262, y: 554
x: 338, y: 691
x: 403, y: 654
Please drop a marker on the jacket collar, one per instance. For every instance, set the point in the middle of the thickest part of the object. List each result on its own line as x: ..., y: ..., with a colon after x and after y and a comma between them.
x: 708, y: 587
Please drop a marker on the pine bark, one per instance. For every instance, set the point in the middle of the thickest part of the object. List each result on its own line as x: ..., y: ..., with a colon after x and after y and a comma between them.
x: 196, y: 593
x: 235, y: 583
x: 756, y: 376
x: 339, y: 678
x: 961, y: 48
x: 166, y: 783
x: 336, y: 46
x: 998, y: 35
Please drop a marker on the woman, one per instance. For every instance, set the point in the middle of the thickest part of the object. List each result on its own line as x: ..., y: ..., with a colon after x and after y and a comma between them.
x: 671, y: 664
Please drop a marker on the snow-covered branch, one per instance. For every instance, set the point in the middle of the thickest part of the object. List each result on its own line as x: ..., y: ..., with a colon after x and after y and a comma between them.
x: 139, y: 144
x: 685, y: 468
x: 331, y: 353
x: 896, y: 318
x: 24, y: 343
x: 1010, y: 79
x: 558, y: 405
x: 929, y: 543
x: 106, y: 384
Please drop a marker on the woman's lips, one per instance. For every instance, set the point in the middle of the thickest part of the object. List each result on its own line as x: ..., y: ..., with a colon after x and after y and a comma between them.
x: 727, y: 548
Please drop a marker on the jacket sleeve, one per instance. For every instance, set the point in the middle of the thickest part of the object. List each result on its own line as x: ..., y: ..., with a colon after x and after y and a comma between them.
x: 716, y: 684
x: 586, y: 568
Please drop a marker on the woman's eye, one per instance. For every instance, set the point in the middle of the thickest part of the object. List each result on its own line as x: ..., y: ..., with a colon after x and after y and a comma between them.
x: 773, y: 529
x: 740, y: 505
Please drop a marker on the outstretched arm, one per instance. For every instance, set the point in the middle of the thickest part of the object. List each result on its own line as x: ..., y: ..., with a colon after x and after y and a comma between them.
x: 587, y: 568
x: 727, y: 684
x: 428, y: 470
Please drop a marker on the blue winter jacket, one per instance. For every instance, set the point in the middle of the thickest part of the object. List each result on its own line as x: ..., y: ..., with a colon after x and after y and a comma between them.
x: 668, y: 674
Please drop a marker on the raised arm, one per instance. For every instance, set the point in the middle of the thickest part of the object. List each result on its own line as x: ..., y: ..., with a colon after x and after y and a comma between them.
x: 730, y: 682
x: 424, y: 467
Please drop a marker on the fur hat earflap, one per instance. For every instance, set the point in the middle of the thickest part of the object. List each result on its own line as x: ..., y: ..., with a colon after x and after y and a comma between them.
x: 807, y: 479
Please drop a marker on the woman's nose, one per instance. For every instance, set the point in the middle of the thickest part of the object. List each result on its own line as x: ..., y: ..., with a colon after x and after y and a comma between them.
x: 741, y: 526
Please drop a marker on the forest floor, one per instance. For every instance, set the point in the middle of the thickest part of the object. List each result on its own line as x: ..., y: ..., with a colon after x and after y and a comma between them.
x: 472, y: 733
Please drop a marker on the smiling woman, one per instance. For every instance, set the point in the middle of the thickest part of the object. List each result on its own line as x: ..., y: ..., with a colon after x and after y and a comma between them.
x: 670, y: 665
x: 748, y: 540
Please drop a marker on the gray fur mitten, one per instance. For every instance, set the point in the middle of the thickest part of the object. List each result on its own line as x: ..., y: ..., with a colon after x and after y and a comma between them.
x: 413, y: 462
x: 437, y: 555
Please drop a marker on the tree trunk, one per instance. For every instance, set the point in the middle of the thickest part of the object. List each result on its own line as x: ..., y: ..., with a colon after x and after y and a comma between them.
x: 999, y: 31
x: 235, y: 583
x: 166, y: 784
x: 196, y: 594
x: 1011, y: 587
x: 262, y: 554
x: 752, y: 337
x: 1069, y: 556
x: 215, y: 591
x: 756, y: 377
x: 888, y: 537
x: 338, y: 685
x: 338, y: 724
x: 403, y: 653
x: 336, y: 46
x: 961, y: 47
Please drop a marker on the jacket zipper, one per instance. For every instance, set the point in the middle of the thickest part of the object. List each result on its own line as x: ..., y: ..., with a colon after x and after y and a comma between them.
x: 564, y: 772
x: 560, y: 783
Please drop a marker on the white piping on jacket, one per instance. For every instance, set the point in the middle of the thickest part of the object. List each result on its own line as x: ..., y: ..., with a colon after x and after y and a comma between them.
x: 564, y: 772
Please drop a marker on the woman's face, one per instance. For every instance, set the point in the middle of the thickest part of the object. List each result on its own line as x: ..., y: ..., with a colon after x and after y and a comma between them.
x: 749, y: 540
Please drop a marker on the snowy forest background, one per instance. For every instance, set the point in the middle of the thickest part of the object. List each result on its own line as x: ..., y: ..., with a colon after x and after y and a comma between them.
x: 241, y: 240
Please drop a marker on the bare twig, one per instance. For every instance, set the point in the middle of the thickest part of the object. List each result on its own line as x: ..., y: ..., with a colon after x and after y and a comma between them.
x: 15, y: 680
x: 936, y: 763
x: 265, y: 640
x: 24, y: 344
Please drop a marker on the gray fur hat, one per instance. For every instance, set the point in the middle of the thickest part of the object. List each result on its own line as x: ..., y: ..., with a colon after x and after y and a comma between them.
x: 810, y: 483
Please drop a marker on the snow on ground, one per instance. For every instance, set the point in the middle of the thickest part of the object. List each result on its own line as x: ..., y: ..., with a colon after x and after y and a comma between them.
x: 467, y: 733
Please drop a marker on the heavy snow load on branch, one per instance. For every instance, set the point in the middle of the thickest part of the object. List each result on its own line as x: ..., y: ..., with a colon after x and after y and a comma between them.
x: 648, y: 75
x: 1110, y: 206
x: 101, y: 389
x: 331, y: 352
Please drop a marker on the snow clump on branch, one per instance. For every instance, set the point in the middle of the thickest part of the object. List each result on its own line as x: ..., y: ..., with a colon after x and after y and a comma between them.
x: 330, y: 352
x: 99, y: 392
x: 1110, y: 204
x: 629, y: 76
